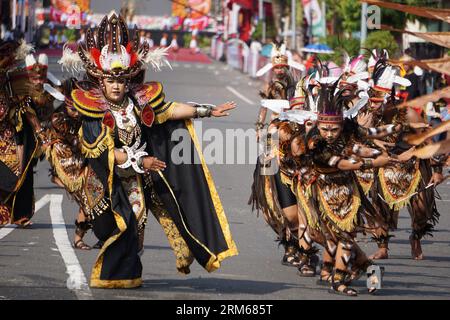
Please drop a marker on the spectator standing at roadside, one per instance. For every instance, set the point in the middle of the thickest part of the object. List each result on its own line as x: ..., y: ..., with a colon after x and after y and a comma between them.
x: 193, y: 45
x: 148, y: 38
x: 163, y: 42
x: 174, y: 43
x: 142, y: 37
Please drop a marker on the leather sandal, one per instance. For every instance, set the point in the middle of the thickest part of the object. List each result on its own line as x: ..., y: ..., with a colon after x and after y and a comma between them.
x: 290, y: 260
x: 342, y: 289
x: 81, y: 245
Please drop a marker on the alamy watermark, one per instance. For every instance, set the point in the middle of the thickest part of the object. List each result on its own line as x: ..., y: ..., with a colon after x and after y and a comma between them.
x: 230, y: 147
x: 373, y: 17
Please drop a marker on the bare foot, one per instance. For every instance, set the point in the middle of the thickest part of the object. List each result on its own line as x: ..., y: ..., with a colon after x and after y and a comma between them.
x: 381, y: 254
x: 416, y: 250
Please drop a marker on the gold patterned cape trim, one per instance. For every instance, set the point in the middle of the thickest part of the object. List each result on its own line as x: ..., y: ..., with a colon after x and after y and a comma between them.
x: 348, y: 222
x: 72, y: 185
x: 89, y: 103
x: 95, y: 280
x: 102, y: 143
x: 165, y: 113
x: 272, y: 214
x: 394, y: 202
x: 303, y: 199
x: 215, y: 260
x: 158, y: 103
x: 286, y: 180
x: 365, y: 185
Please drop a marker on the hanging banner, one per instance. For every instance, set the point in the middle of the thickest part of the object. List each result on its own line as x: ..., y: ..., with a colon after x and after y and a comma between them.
x: 69, y: 13
x: 192, y: 14
x: 314, y: 16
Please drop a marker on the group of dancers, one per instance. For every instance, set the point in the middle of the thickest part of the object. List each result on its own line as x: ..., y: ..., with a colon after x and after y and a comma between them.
x: 338, y: 161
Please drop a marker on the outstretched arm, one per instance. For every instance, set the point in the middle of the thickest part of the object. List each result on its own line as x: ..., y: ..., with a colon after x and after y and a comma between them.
x: 186, y: 111
x: 380, y: 161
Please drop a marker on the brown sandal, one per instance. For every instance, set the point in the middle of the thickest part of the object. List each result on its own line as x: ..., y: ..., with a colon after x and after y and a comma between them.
x: 81, y: 245
x: 24, y: 223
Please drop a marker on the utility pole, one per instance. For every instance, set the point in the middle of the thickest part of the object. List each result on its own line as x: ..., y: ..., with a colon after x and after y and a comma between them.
x: 294, y: 29
x: 23, y: 17
x: 13, y: 14
x: 262, y: 18
x: 363, y: 26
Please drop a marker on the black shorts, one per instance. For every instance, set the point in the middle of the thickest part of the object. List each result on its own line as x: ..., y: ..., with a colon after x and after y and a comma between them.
x: 285, y: 195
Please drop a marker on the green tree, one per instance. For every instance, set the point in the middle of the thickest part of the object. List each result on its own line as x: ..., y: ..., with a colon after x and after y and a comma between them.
x: 382, y: 40
x: 345, y: 15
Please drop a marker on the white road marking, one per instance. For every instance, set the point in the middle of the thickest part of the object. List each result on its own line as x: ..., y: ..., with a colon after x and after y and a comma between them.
x: 240, y: 95
x: 77, y: 280
x: 7, y: 230
x: 10, y: 227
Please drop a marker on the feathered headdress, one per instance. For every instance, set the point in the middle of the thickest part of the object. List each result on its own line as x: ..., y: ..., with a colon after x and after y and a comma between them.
x: 12, y: 51
x: 331, y: 102
x: 384, y: 77
x: 38, y: 69
x: 375, y: 56
x: 111, y: 53
x: 355, y: 69
x: 279, y: 59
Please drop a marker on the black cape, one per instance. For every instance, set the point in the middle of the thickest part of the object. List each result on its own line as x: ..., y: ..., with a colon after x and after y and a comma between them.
x: 188, y: 194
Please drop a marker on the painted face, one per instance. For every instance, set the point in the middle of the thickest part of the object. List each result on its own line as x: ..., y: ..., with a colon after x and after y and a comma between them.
x: 279, y: 71
x: 114, y: 89
x: 376, y: 104
x: 330, y: 131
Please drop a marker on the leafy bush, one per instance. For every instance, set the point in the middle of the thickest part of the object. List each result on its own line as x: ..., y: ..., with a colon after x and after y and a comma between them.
x: 270, y: 30
x: 339, y: 45
x: 202, y: 41
x: 382, y: 40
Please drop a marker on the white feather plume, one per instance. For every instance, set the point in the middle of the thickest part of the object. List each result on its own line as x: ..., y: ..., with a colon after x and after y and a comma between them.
x: 70, y: 61
x: 23, y: 50
x: 157, y: 59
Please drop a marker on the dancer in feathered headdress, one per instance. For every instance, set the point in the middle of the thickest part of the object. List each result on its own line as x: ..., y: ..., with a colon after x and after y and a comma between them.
x: 338, y: 199
x: 408, y: 184
x: 20, y: 137
x: 125, y: 136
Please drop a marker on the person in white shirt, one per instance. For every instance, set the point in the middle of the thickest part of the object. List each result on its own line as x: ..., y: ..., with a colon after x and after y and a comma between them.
x: 163, y: 42
x: 193, y: 45
x: 142, y: 37
x: 148, y: 38
x: 174, y: 43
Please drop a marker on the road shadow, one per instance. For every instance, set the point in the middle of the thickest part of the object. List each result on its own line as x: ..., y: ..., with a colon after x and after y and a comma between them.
x: 394, y: 242
x: 403, y: 274
x: 148, y: 247
x: 218, y: 285
x: 420, y: 263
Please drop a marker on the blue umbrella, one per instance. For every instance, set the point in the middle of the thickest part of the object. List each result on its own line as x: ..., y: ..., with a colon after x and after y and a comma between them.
x: 317, y: 48
x: 267, y: 50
